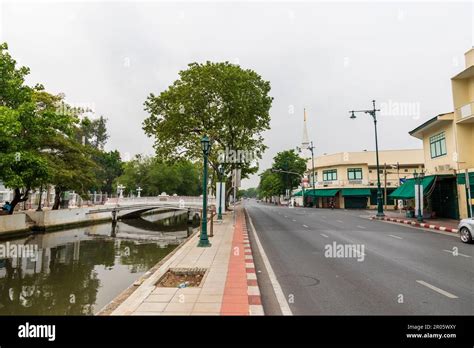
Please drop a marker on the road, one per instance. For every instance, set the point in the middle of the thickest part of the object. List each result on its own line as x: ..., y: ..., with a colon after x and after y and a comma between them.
x: 401, y: 270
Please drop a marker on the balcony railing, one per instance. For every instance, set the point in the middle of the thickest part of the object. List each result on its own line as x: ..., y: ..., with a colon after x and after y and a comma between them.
x: 465, y: 111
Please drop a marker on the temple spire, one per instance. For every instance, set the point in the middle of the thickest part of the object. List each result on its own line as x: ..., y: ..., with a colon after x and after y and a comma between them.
x: 305, y: 140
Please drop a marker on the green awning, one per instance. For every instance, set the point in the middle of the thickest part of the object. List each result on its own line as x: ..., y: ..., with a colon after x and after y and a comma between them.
x: 407, y: 190
x: 356, y: 192
x: 321, y: 192
x: 298, y: 194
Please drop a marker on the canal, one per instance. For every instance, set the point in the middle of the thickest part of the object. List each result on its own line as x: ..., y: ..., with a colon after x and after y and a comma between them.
x: 78, y: 271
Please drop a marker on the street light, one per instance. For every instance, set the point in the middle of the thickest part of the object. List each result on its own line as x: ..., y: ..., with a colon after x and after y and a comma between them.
x: 379, y: 189
x: 203, y: 240
x: 418, y: 180
x: 221, y: 172
x: 310, y: 147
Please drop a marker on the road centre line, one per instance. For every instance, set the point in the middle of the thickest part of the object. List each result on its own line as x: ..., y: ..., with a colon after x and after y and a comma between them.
x: 438, y: 290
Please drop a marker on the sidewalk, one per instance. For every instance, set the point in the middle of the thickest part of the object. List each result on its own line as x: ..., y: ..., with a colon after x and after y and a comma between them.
x: 447, y: 225
x: 229, y: 286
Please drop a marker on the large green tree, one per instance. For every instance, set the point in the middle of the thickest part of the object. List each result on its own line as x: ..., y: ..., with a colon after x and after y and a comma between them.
x: 221, y: 100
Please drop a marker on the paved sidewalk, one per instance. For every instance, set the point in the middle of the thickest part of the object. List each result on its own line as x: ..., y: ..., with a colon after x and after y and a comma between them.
x: 225, y: 289
x: 447, y: 225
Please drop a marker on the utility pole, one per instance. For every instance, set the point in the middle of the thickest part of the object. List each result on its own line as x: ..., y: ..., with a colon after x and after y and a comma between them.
x: 385, y: 185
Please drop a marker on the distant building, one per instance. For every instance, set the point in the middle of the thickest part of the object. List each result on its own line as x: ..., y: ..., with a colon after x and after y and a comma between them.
x: 448, y: 143
x: 350, y: 178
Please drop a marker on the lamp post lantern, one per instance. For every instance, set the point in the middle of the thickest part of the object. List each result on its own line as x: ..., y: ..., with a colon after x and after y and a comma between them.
x: 373, y: 113
x: 203, y: 239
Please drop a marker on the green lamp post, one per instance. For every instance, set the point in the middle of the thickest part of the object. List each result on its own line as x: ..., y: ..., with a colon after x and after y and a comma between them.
x: 221, y: 173
x: 372, y: 113
x: 203, y: 239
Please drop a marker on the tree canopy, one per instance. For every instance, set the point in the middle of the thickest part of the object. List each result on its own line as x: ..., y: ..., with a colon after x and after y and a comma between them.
x: 221, y: 100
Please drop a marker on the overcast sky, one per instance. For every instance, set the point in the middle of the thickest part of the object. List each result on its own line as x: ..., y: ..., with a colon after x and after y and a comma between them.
x: 327, y: 57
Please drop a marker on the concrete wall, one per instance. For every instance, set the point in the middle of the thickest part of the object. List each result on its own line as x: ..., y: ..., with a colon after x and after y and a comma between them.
x: 56, y: 218
x: 13, y: 223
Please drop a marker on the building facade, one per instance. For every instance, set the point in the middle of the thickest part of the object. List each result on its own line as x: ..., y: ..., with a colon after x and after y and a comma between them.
x: 448, y: 143
x: 349, y: 179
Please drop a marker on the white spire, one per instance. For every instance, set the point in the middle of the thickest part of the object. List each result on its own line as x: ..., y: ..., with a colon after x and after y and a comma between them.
x: 305, y: 141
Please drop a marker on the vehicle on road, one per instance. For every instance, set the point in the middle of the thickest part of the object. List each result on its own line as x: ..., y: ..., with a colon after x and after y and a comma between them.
x: 466, y: 230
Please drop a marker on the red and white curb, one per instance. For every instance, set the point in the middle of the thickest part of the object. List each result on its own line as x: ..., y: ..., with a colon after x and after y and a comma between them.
x: 253, y: 291
x: 417, y: 224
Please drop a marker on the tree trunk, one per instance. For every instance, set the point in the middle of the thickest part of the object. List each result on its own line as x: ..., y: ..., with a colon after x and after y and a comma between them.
x: 57, y: 198
x: 17, y: 198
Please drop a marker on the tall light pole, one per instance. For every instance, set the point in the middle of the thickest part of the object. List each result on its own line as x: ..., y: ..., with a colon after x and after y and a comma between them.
x: 309, y: 146
x: 221, y: 172
x: 379, y: 188
x: 203, y: 239
x: 418, y: 180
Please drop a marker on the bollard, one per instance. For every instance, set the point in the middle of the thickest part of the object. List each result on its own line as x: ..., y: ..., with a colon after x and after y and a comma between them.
x: 211, y: 234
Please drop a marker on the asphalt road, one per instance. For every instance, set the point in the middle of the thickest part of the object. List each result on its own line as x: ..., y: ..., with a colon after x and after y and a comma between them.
x: 401, y: 270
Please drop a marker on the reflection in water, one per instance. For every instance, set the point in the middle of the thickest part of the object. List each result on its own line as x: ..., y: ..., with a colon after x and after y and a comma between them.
x: 79, y: 271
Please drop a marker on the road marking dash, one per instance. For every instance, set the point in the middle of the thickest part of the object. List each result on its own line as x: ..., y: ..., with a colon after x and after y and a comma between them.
x: 340, y: 221
x: 324, y: 235
x: 397, y: 237
x: 432, y: 287
x: 452, y: 253
x: 364, y: 228
x: 305, y: 226
x: 293, y: 220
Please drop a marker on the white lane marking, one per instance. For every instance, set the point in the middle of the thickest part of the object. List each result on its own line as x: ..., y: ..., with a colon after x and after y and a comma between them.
x: 305, y: 226
x: 293, y: 220
x: 286, y: 216
x: 432, y: 287
x: 397, y: 237
x: 324, y: 235
x: 364, y: 228
x: 340, y: 221
x: 452, y: 253
x: 323, y: 216
x: 285, y: 308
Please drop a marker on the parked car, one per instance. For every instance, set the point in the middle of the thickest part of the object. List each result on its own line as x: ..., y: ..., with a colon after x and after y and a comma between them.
x: 466, y: 230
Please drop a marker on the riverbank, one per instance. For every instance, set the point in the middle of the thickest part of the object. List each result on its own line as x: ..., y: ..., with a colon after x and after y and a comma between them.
x: 27, y: 222
x: 229, y: 285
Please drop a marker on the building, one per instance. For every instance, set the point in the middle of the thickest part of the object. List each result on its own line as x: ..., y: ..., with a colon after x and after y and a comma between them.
x: 350, y: 178
x: 448, y: 143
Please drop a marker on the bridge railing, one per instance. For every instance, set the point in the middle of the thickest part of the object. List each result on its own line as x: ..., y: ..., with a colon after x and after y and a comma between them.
x: 186, y: 200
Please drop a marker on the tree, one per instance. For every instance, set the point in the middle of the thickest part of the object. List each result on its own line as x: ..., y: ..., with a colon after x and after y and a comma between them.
x: 28, y: 121
x: 155, y: 176
x: 289, y: 161
x: 221, y: 100
x: 270, y: 184
x: 109, y: 167
x: 94, y: 132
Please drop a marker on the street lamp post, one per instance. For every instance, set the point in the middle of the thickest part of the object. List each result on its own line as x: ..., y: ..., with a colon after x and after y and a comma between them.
x: 203, y: 239
x: 310, y: 147
x: 221, y: 172
x: 379, y: 188
x: 418, y: 180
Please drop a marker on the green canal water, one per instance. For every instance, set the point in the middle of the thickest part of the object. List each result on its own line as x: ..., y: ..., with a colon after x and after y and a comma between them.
x: 79, y: 271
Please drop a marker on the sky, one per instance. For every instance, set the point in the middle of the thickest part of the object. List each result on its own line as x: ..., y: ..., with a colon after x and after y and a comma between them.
x: 327, y: 57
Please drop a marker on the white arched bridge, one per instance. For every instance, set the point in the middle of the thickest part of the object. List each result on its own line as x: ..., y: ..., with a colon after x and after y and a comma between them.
x: 135, y: 206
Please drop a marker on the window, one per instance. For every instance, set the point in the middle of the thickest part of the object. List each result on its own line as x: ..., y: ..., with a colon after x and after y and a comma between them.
x: 329, y: 175
x: 354, y: 173
x: 438, y: 145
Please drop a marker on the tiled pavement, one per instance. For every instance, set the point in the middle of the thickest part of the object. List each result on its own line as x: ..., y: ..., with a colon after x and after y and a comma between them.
x: 228, y: 288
